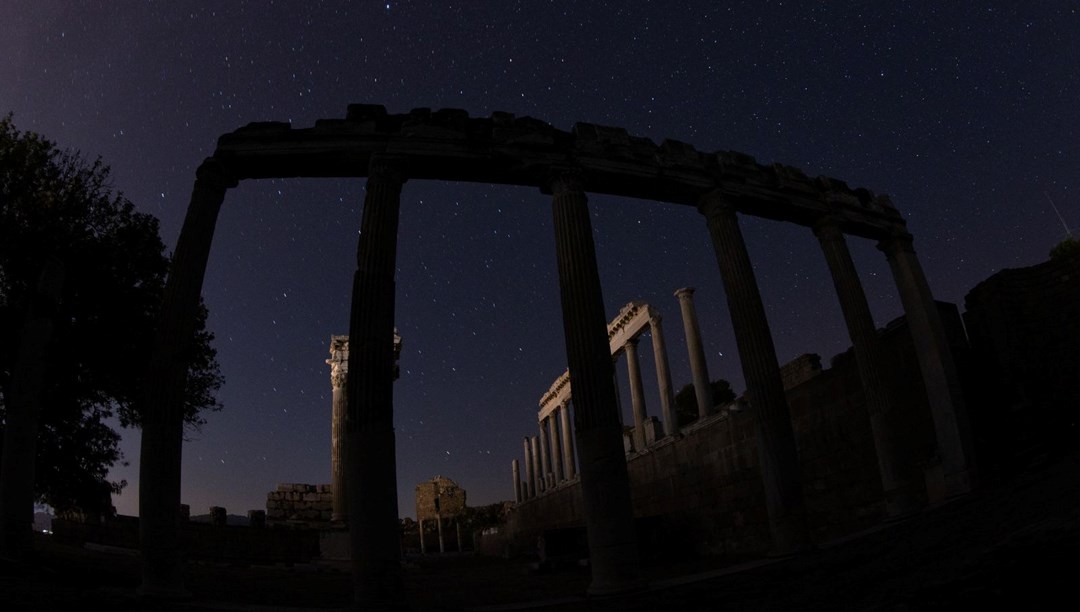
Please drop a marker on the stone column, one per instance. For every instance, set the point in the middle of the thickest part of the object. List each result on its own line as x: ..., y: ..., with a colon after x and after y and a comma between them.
x: 24, y: 400
x: 605, y: 487
x: 166, y: 376
x: 371, y: 472
x: 663, y: 377
x: 545, y: 461
x: 772, y: 418
x: 529, y: 486
x: 943, y: 390
x: 568, y: 443
x: 442, y: 544
x: 423, y: 548
x: 895, y: 481
x: 557, y: 469
x: 537, y: 475
x: 339, y: 370
x: 457, y: 526
x: 637, y: 394
x: 517, y: 480
x: 698, y: 368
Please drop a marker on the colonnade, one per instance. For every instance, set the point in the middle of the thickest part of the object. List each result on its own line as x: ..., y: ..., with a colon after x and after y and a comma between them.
x: 673, y: 171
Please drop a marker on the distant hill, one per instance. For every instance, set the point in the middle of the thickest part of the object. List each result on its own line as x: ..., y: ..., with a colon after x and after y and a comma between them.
x: 231, y: 519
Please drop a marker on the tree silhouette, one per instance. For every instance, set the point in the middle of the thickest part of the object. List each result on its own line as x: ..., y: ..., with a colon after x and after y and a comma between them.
x: 686, y: 411
x: 56, y: 206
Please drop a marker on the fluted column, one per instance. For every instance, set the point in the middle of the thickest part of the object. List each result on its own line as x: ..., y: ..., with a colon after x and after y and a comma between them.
x: 371, y: 467
x: 545, y: 459
x: 663, y: 376
x: 166, y: 377
x: 537, y: 475
x: 529, y: 486
x: 514, y: 467
x: 339, y: 370
x: 557, y: 470
x: 23, y: 402
x: 895, y: 478
x: 698, y: 367
x: 772, y: 418
x: 605, y: 486
x: 637, y: 394
x: 568, y: 443
x: 936, y: 362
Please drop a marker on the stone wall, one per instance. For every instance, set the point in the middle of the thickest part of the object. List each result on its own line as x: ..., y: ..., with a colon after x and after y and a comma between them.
x: 300, y: 504
x: 1024, y: 326
x: 439, y: 496
x: 701, y: 491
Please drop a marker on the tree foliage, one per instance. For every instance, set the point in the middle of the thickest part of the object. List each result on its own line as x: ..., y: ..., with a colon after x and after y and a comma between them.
x: 1066, y: 248
x: 686, y: 410
x: 54, y: 203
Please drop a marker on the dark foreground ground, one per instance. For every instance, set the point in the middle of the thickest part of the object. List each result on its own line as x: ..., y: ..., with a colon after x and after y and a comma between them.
x: 1014, y: 544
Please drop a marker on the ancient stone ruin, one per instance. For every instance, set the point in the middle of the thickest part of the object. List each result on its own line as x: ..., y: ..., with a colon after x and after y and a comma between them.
x: 438, y: 499
x: 449, y: 145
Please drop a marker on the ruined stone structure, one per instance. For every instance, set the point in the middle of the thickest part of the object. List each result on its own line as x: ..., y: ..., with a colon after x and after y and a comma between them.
x: 450, y: 145
x: 437, y: 499
x: 1024, y: 326
x: 300, y: 504
x: 701, y: 490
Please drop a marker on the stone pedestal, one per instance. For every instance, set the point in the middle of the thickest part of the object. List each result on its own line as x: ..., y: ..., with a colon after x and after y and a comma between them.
x: 772, y: 418
x: 609, y: 518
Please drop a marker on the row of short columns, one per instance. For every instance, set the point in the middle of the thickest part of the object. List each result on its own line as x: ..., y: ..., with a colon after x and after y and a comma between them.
x: 549, y: 456
x: 370, y: 463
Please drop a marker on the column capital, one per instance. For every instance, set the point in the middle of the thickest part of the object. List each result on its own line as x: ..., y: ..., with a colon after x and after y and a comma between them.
x: 827, y: 228
x: 214, y: 173
x: 899, y: 242
x: 714, y: 203
x: 685, y: 293
x: 632, y: 342
x: 387, y: 167
x: 565, y: 179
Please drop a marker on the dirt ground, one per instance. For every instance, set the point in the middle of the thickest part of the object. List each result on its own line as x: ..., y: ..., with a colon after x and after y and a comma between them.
x: 1010, y: 544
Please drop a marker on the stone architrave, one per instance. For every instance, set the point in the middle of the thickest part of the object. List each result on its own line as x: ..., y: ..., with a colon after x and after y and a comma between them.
x: 163, y: 410
x: 895, y: 482
x: 568, y: 442
x: 943, y: 391
x: 772, y: 418
x: 698, y: 367
x: 663, y: 376
x: 605, y: 486
x: 637, y: 394
x: 371, y: 467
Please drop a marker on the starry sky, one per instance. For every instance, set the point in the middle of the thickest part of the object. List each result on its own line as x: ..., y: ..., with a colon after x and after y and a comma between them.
x: 965, y: 113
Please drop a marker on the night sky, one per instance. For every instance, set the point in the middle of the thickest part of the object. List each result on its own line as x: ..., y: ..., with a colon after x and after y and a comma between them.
x: 965, y: 113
